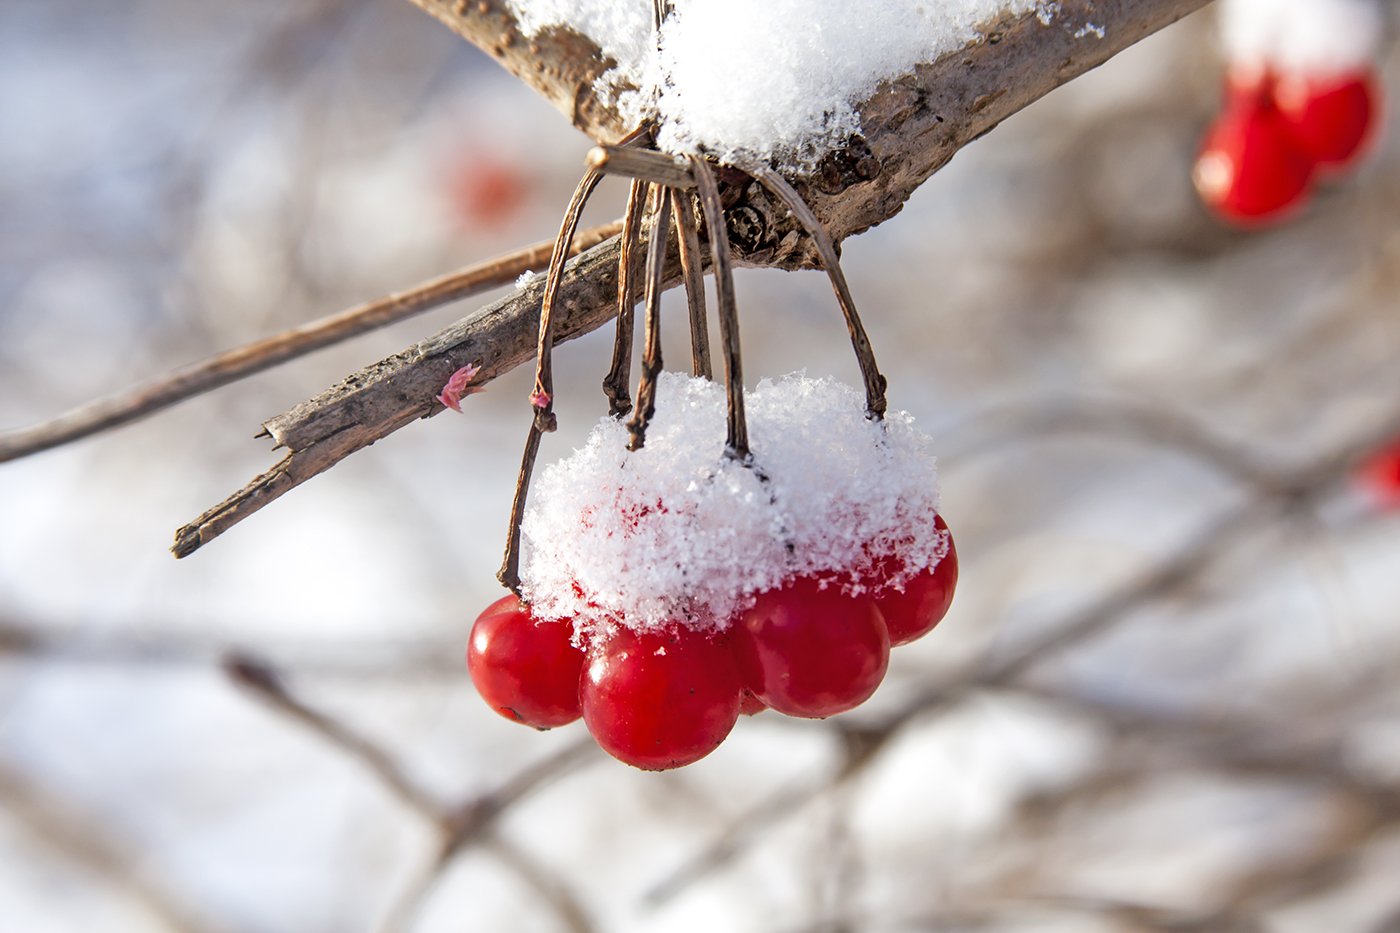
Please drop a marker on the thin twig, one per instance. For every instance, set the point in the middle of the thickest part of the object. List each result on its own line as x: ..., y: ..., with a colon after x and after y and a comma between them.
x: 737, y: 445
x: 239, y: 363
x: 693, y: 272
x: 55, y: 823
x: 651, y: 351
x: 860, y: 340
x: 645, y: 164
x: 542, y: 397
x: 263, y: 680
x: 616, y: 383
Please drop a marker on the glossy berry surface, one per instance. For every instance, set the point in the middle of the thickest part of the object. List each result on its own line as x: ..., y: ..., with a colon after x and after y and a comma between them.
x: 1333, y: 118
x: 660, y: 699
x: 750, y: 705
x: 914, y: 611
x: 1250, y: 170
x: 811, y: 652
x: 525, y: 670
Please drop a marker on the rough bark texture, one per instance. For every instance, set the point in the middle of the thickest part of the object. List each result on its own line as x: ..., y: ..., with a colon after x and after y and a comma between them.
x: 912, y: 126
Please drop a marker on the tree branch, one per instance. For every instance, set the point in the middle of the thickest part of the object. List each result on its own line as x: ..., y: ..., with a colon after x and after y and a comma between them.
x: 912, y: 126
x: 241, y: 362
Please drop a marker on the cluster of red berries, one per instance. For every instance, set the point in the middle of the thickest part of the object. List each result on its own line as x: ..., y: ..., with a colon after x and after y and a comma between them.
x: 1277, y: 134
x: 666, y: 697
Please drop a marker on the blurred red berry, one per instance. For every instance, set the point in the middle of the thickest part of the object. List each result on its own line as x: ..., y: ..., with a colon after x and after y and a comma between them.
x: 914, y: 611
x: 525, y: 669
x: 811, y: 652
x: 1379, y: 475
x: 1250, y: 169
x: 1331, y: 118
x: 660, y: 699
x: 487, y: 192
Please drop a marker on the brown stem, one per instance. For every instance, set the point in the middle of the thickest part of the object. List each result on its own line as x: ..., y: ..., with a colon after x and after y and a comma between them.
x: 542, y: 397
x: 651, y: 353
x: 615, y: 383
x: 646, y: 164
x: 737, y: 445
x: 239, y: 363
x: 693, y: 272
x: 860, y: 341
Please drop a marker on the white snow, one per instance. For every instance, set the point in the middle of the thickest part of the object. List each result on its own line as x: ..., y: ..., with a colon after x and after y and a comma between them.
x: 1315, y: 37
x: 748, y: 82
x: 679, y: 532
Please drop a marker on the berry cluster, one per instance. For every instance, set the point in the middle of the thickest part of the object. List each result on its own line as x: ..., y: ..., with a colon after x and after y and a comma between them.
x: 666, y: 591
x: 1301, y: 102
x: 1276, y: 135
x: 668, y: 696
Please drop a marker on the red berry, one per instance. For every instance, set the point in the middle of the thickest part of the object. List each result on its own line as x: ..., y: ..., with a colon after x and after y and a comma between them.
x: 525, y: 669
x: 811, y: 652
x: 660, y: 699
x: 1331, y: 118
x: 750, y: 705
x: 913, y: 612
x: 1250, y: 169
x: 1379, y: 475
x: 487, y: 192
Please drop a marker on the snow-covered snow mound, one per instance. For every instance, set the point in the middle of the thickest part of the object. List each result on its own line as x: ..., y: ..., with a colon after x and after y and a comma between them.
x: 748, y: 81
x: 678, y: 532
x: 1317, y: 37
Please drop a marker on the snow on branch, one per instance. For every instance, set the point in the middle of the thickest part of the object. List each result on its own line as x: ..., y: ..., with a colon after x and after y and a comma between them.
x: 910, y: 127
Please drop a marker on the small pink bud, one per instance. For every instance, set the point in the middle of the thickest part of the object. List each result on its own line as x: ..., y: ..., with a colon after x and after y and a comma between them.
x: 452, y: 393
x: 540, y: 398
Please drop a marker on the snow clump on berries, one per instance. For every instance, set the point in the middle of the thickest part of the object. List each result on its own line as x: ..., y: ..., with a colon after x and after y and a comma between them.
x: 1316, y: 37
x: 679, y: 532
x: 750, y: 82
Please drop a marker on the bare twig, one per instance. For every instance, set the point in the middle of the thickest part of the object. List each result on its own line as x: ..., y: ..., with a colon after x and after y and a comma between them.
x: 71, y: 835
x: 616, y: 383
x: 737, y: 441
x: 542, y: 397
x: 693, y: 272
x: 651, y: 352
x: 260, y: 678
x: 647, y: 165
x: 241, y: 362
x: 826, y: 249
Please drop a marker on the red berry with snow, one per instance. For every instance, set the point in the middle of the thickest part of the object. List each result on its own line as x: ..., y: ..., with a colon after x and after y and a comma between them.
x: 1251, y: 170
x: 913, y: 612
x: 811, y: 652
x: 1332, y: 118
x: 660, y: 699
x: 525, y: 669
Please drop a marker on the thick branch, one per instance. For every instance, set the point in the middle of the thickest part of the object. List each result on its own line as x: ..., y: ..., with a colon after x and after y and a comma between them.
x: 912, y: 127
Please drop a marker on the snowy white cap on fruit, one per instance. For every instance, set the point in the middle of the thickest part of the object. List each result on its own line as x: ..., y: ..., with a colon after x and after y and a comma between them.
x: 678, y: 532
x: 1314, y: 37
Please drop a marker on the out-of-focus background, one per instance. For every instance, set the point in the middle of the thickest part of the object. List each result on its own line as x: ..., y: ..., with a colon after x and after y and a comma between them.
x: 1166, y: 696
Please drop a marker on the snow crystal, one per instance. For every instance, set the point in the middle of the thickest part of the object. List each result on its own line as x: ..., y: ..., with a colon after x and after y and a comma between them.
x: 526, y: 279
x: 748, y: 82
x: 677, y: 531
x: 1316, y: 37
